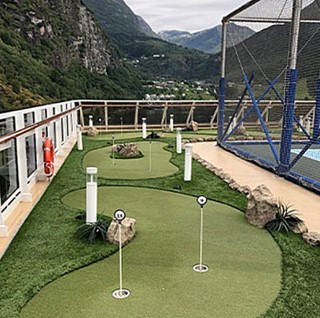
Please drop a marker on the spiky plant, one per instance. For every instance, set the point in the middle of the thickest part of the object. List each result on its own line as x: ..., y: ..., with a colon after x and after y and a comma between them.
x: 94, y: 230
x: 285, y: 219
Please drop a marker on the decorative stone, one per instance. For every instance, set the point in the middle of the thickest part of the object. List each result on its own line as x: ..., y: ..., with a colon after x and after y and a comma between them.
x: 92, y: 132
x: 200, y: 140
x: 312, y: 238
x: 241, y: 131
x: 128, y: 231
x: 300, y: 228
x: 127, y: 150
x: 245, y: 190
x: 261, y: 206
x: 194, y: 126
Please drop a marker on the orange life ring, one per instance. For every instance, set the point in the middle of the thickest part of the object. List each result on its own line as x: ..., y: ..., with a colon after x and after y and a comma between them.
x: 48, y: 157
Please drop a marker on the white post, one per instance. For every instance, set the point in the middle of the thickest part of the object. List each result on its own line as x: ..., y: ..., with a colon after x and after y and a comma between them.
x: 301, y: 123
x: 178, y: 141
x: 188, y: 162
x: 79, y: 138
x: 120, y: 258
x: 201, y: 235
x: 308, y: 125
x: 171, y: 122
x: 144, y: 128
x: 234, y: 123
x: 150, y: 154
x: 231, y: 126
x: 92, y: 194
x: 90, y: 120
x: 3, y: 227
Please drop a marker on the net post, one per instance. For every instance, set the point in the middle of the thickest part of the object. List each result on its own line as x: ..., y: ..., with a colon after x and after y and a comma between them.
x: 222, y: 84
x: 316, y: 124
x: 288, y: 109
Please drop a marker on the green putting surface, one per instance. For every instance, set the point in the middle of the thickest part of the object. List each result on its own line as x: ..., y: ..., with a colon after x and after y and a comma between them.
x: 132, y: 168
x: 244, y: 264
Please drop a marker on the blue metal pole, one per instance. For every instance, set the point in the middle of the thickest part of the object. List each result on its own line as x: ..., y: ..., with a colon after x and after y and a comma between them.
x: 287, y: 123
x: 221, y: 114
x: 316, y: 123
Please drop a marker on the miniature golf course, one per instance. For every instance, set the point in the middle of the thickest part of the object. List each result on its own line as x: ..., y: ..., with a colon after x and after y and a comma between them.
x: 244, y: 263
x: 132, y: 168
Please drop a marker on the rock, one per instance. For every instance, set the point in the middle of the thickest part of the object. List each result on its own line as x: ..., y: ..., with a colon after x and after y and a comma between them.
x: 241, y: 131
x: 128, y: 231
x: 210, y: 139
x: 200, y: 140
x: 92, y: 132
x: 312, y: 238
x: 261, y: 206
x: 245, y: 190
x: 300, y: 228
x: 127, y: 150
x: 194, y: 126
x: 234, y: 185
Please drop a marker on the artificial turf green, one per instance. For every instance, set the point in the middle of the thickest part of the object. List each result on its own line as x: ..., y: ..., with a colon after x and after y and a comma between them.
x: 139, y: 168
x: 243, y: 280
x: 45, y: 247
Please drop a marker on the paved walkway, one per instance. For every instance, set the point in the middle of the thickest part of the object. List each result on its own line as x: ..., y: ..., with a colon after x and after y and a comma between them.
x: 243, y: 172
x: 22, y: 211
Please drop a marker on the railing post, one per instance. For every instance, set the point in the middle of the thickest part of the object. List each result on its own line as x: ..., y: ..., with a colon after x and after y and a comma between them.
x: 136, y: 117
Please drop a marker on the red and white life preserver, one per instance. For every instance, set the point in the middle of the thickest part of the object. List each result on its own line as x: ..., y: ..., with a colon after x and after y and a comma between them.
x: 48, y: 157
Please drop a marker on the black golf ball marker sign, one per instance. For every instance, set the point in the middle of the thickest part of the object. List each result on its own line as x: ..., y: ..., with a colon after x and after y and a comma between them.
x: 202, y: 200
x: 119, y: 215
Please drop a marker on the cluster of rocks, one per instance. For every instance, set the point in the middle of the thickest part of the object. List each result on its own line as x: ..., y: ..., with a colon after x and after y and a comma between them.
x: 127, y: 150
x: 222, y: 175
x: 195, y: 140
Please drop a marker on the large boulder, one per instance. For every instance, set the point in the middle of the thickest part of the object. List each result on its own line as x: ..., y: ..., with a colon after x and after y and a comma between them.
x: 261, y: 206
x: 312, y: 238
x: 128, y: 231
x: 127, y: 150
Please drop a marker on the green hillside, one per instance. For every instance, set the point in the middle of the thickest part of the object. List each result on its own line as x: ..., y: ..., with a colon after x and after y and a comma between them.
x: 146, y: 51
x: 55, y: 51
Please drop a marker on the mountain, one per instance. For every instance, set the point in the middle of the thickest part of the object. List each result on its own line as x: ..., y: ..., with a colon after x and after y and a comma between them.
x: 54, y: 50
x: 146, y: 51
x: 208, y: 41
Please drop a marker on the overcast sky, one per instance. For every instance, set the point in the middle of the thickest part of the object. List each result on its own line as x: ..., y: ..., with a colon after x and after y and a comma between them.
x: 189, y: 15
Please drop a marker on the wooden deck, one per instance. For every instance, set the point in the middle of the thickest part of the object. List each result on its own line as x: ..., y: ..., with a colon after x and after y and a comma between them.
x: 22, y: 211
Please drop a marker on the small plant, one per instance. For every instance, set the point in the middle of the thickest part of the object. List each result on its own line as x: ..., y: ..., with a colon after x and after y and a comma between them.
x: 286, y: 219
x: 95, y: 230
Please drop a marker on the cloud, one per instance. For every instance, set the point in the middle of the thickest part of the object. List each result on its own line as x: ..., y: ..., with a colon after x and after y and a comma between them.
x: 190, y: 15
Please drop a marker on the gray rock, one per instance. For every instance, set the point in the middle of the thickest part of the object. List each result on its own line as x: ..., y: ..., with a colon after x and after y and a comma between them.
x: 92, y: 132
x: 128, y: 231
x: 261, y: 206
x: 300, y: 228
x: 312, y: 238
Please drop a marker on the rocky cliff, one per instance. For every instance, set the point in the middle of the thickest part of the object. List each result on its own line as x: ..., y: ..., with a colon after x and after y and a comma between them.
x: 53, y: 50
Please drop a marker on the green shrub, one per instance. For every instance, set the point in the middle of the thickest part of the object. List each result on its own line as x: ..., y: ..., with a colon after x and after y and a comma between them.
x: 95, y: 230
x: 285, y: 219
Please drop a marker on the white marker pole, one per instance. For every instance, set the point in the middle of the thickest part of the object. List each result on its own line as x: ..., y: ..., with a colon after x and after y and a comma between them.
x: 301, y: 123
x: 91, y: 195
x: 171, y: 122
x: 150, y: 154
x: 121, y: 124
x: 113, y: 149
x: 79, y: 138
x: 178, y: 141
x: 188, y: 162
x: 144, y: 128
x: 200, y: 268
x: 308, y: 125
x: 120, y: 215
